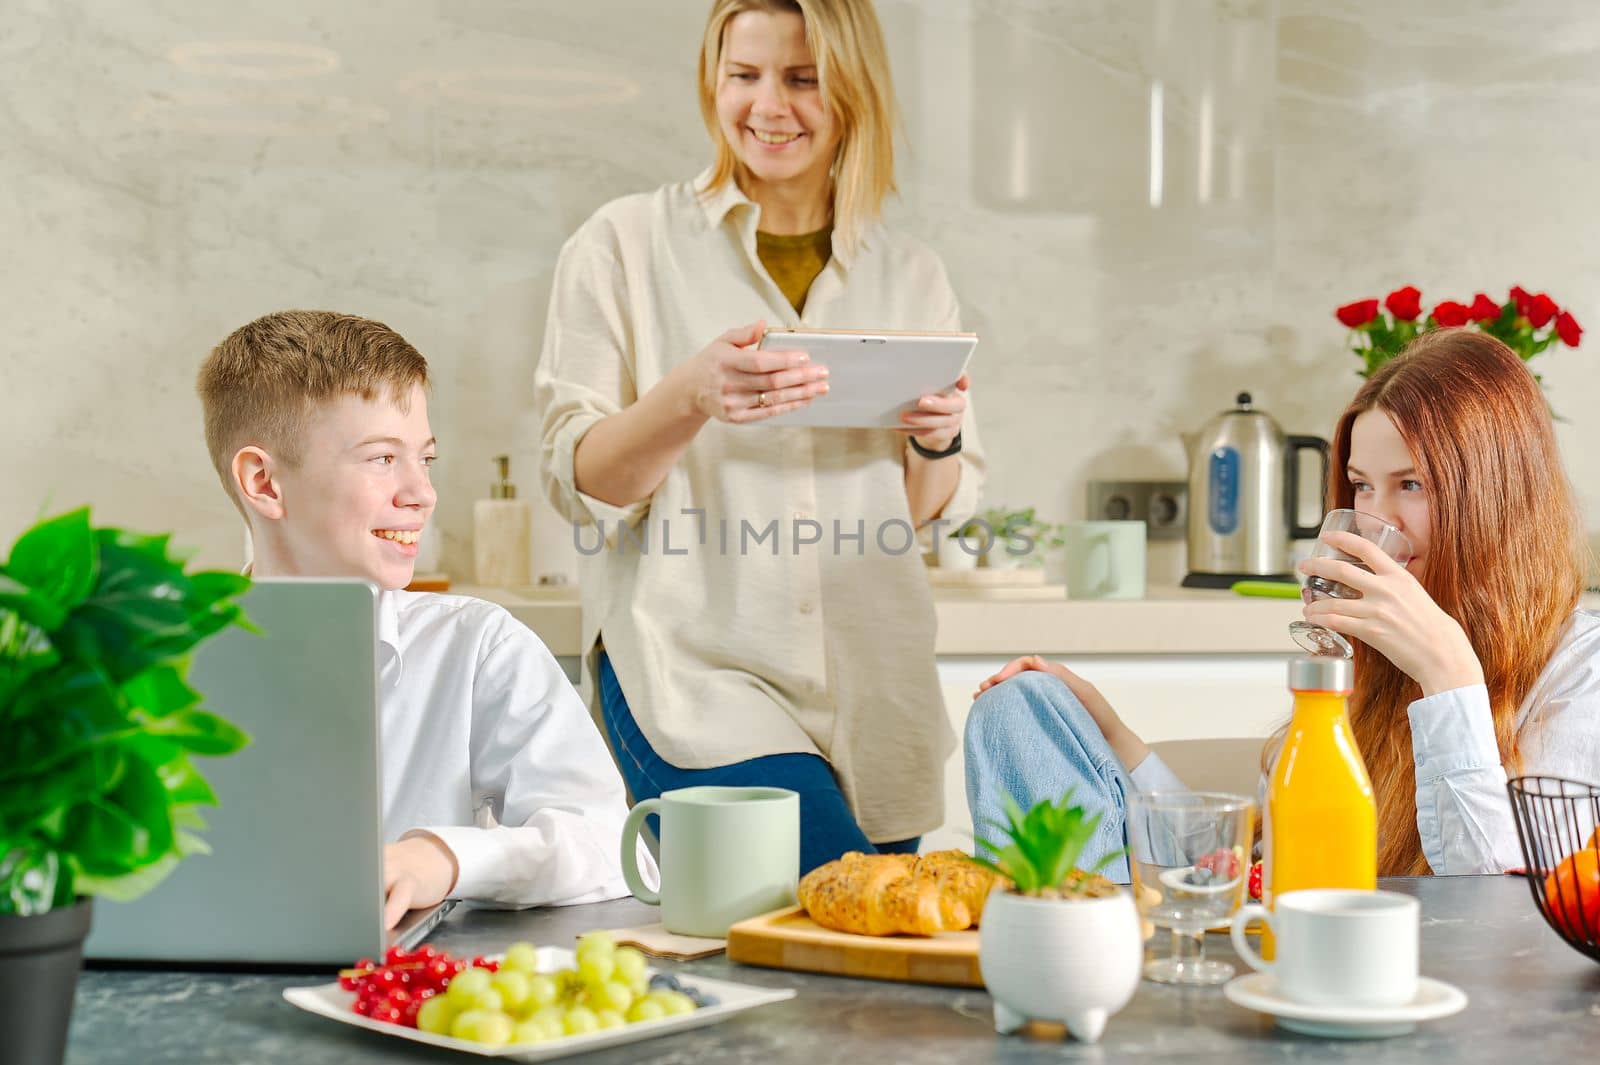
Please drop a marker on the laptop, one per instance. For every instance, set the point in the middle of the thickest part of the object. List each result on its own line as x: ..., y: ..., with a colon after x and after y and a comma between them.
x: 295, y: 873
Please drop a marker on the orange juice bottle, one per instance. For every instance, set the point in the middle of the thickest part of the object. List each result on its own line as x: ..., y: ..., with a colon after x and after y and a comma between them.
x: 1321, y: 824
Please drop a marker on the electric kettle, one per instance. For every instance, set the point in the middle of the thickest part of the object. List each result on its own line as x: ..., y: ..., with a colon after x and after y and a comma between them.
x: 1244, y: 495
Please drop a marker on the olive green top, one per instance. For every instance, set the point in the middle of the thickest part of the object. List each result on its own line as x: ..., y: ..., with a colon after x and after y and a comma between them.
x: 795, y: 261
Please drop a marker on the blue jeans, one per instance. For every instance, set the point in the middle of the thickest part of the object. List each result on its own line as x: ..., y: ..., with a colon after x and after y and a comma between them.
x: 1031, y: 738
x: 827, y: 827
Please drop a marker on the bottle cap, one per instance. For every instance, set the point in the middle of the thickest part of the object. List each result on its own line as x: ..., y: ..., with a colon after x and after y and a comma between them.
x: 503, y: 489
x: 1321, y: 673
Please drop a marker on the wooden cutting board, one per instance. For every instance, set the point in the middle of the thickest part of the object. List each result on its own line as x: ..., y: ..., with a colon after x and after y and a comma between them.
x: 788, y: 939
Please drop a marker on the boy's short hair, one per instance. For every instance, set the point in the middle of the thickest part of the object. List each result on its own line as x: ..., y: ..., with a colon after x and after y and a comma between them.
x: 260, y: 385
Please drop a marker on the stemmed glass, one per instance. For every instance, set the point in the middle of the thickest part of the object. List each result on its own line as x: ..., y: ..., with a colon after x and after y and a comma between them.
x: 1189, y: 854
x: 1390, y: 540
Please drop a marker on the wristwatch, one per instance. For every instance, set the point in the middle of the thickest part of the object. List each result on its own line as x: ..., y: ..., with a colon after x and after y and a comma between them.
x: 953, y: 449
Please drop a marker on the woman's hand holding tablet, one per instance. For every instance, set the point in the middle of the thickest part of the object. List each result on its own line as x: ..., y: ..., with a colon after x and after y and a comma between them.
x: 734, y: 379
x: 887, y: 380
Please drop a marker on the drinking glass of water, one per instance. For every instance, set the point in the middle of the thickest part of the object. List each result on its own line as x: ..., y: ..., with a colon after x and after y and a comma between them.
x: 1189, y: 852
x: 1390, y: 540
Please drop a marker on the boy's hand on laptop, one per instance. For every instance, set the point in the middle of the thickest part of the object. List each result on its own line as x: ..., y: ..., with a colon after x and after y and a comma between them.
x: 418, y: 871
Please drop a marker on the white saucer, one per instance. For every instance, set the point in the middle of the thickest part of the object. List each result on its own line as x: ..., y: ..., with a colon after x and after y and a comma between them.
x: 1435, y: 999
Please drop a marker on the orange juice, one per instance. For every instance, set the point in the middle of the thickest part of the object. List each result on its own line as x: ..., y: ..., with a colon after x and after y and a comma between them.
x: 1320, y: 828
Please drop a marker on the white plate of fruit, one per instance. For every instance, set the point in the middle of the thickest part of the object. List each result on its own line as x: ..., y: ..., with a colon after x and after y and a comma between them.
x: 528, y: 1004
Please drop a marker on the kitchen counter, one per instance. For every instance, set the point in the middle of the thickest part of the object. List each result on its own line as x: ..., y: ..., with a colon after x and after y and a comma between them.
x: 996, y: 622
x: 1533, y: 999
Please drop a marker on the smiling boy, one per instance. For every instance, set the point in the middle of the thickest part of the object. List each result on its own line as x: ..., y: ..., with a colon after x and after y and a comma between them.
x: 496, y: 785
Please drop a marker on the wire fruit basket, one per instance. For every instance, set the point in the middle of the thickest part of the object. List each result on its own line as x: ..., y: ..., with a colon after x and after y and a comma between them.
x: 1556, y: 824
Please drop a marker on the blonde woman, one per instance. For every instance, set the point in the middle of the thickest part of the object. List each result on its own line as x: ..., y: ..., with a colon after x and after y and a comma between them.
x: 755, y: 611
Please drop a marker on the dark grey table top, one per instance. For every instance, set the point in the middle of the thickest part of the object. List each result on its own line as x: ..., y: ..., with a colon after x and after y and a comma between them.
x: 1533, y: 999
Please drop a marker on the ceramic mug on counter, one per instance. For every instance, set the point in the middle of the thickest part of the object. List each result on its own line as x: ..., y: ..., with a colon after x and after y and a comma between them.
x: 1105, y: 559
x: 726, y: 854
x: 1338, y: 947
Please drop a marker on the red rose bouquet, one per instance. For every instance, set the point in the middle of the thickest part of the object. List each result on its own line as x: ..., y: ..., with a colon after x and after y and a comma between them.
x: 1527, y: 323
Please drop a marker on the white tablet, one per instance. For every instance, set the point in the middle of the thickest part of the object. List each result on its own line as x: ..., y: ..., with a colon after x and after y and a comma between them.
x: 872, y: 377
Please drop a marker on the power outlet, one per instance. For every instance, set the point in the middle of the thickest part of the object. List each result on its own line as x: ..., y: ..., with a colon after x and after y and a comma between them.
x: 1163, y: 506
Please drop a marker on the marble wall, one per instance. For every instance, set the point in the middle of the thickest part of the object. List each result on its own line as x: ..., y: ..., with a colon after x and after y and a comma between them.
x: 1146, y: 206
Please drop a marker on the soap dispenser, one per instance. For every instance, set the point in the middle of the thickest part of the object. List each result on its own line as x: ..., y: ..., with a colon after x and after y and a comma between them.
x: 500, y: 526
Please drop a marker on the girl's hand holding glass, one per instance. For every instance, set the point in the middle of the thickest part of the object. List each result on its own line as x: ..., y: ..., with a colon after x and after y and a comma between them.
x: 1394, y: 615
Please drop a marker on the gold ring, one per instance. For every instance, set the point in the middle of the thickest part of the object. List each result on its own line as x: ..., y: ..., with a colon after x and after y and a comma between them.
x: 761, y: 400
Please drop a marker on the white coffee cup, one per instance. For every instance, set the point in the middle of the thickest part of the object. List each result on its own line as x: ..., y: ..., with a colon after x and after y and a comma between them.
x: 1338, y: 947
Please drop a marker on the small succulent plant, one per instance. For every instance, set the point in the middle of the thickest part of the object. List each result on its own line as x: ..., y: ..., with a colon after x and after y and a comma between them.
x: 1038, y: 851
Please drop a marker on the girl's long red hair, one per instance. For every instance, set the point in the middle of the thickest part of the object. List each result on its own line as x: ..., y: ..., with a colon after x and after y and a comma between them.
x: 1507, y: 551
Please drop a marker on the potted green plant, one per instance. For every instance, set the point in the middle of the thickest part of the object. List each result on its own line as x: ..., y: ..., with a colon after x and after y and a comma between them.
x: 98, y: 792
x: 1062, y: 943
x: 999, y: 537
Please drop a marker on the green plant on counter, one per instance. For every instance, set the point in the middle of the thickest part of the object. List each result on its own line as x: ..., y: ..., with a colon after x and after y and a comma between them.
x: 98, y: 793
x: 1038, y: 851
x: 1010, y: 530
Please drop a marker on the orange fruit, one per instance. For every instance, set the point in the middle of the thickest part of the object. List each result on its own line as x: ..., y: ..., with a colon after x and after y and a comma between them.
x: 1572, y: 893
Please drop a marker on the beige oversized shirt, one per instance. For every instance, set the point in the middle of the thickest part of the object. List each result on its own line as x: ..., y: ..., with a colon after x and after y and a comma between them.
x: 732, y: 636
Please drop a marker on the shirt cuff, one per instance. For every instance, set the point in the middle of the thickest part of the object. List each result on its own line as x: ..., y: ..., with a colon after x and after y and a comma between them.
x: 607, y: 516
x: 476, y: 856
x: 1453, y: 731
x: 1153, y: 774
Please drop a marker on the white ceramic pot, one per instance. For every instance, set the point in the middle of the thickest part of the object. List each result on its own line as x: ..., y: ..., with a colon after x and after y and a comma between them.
x: 952, y: 556
x: 1072, y: 961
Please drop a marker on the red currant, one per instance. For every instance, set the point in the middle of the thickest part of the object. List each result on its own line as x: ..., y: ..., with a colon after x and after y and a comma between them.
x: 439, y: 971
x: 394, y: 956
x: 363, y: 1006
x: 391, y: 1015
x: 386, y: 979
x: 400, y: 997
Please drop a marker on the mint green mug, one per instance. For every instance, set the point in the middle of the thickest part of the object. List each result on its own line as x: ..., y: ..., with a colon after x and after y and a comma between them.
x: 726, y: 854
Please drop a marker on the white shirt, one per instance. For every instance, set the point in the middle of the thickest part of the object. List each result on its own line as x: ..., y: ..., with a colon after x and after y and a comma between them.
x: 486, y: 745
x: 817, y: 639
x: 1463, y: 810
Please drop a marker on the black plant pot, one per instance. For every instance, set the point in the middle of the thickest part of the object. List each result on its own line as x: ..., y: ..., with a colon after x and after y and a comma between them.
x: 39, y: 962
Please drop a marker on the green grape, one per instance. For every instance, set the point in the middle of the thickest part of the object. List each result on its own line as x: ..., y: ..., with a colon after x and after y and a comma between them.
x: 646, y: 1009
x: 521, y: 957
x: 542, y: 990
x: 487, y: 999
x: 611, y: 995
x: 513, y: 988
x: 595, y: 968
x: 631, y: 965
x: 489, y: 1027
x: 437, y: 1015
x: 610, y: 1019
x: 469, y: 982
x: 532, y: 1032
x: 598, y: 939
x: 580, y: 1020
x: 550, y: 1017
x: 566, y: 980
x: 673, y: 1003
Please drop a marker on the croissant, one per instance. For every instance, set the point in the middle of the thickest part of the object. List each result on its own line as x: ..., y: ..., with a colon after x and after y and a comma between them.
x: 879, y: 895
x: 958, y: 878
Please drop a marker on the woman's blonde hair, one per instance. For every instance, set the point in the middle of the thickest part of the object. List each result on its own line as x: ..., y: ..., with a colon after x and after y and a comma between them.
x: 853, y: 72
